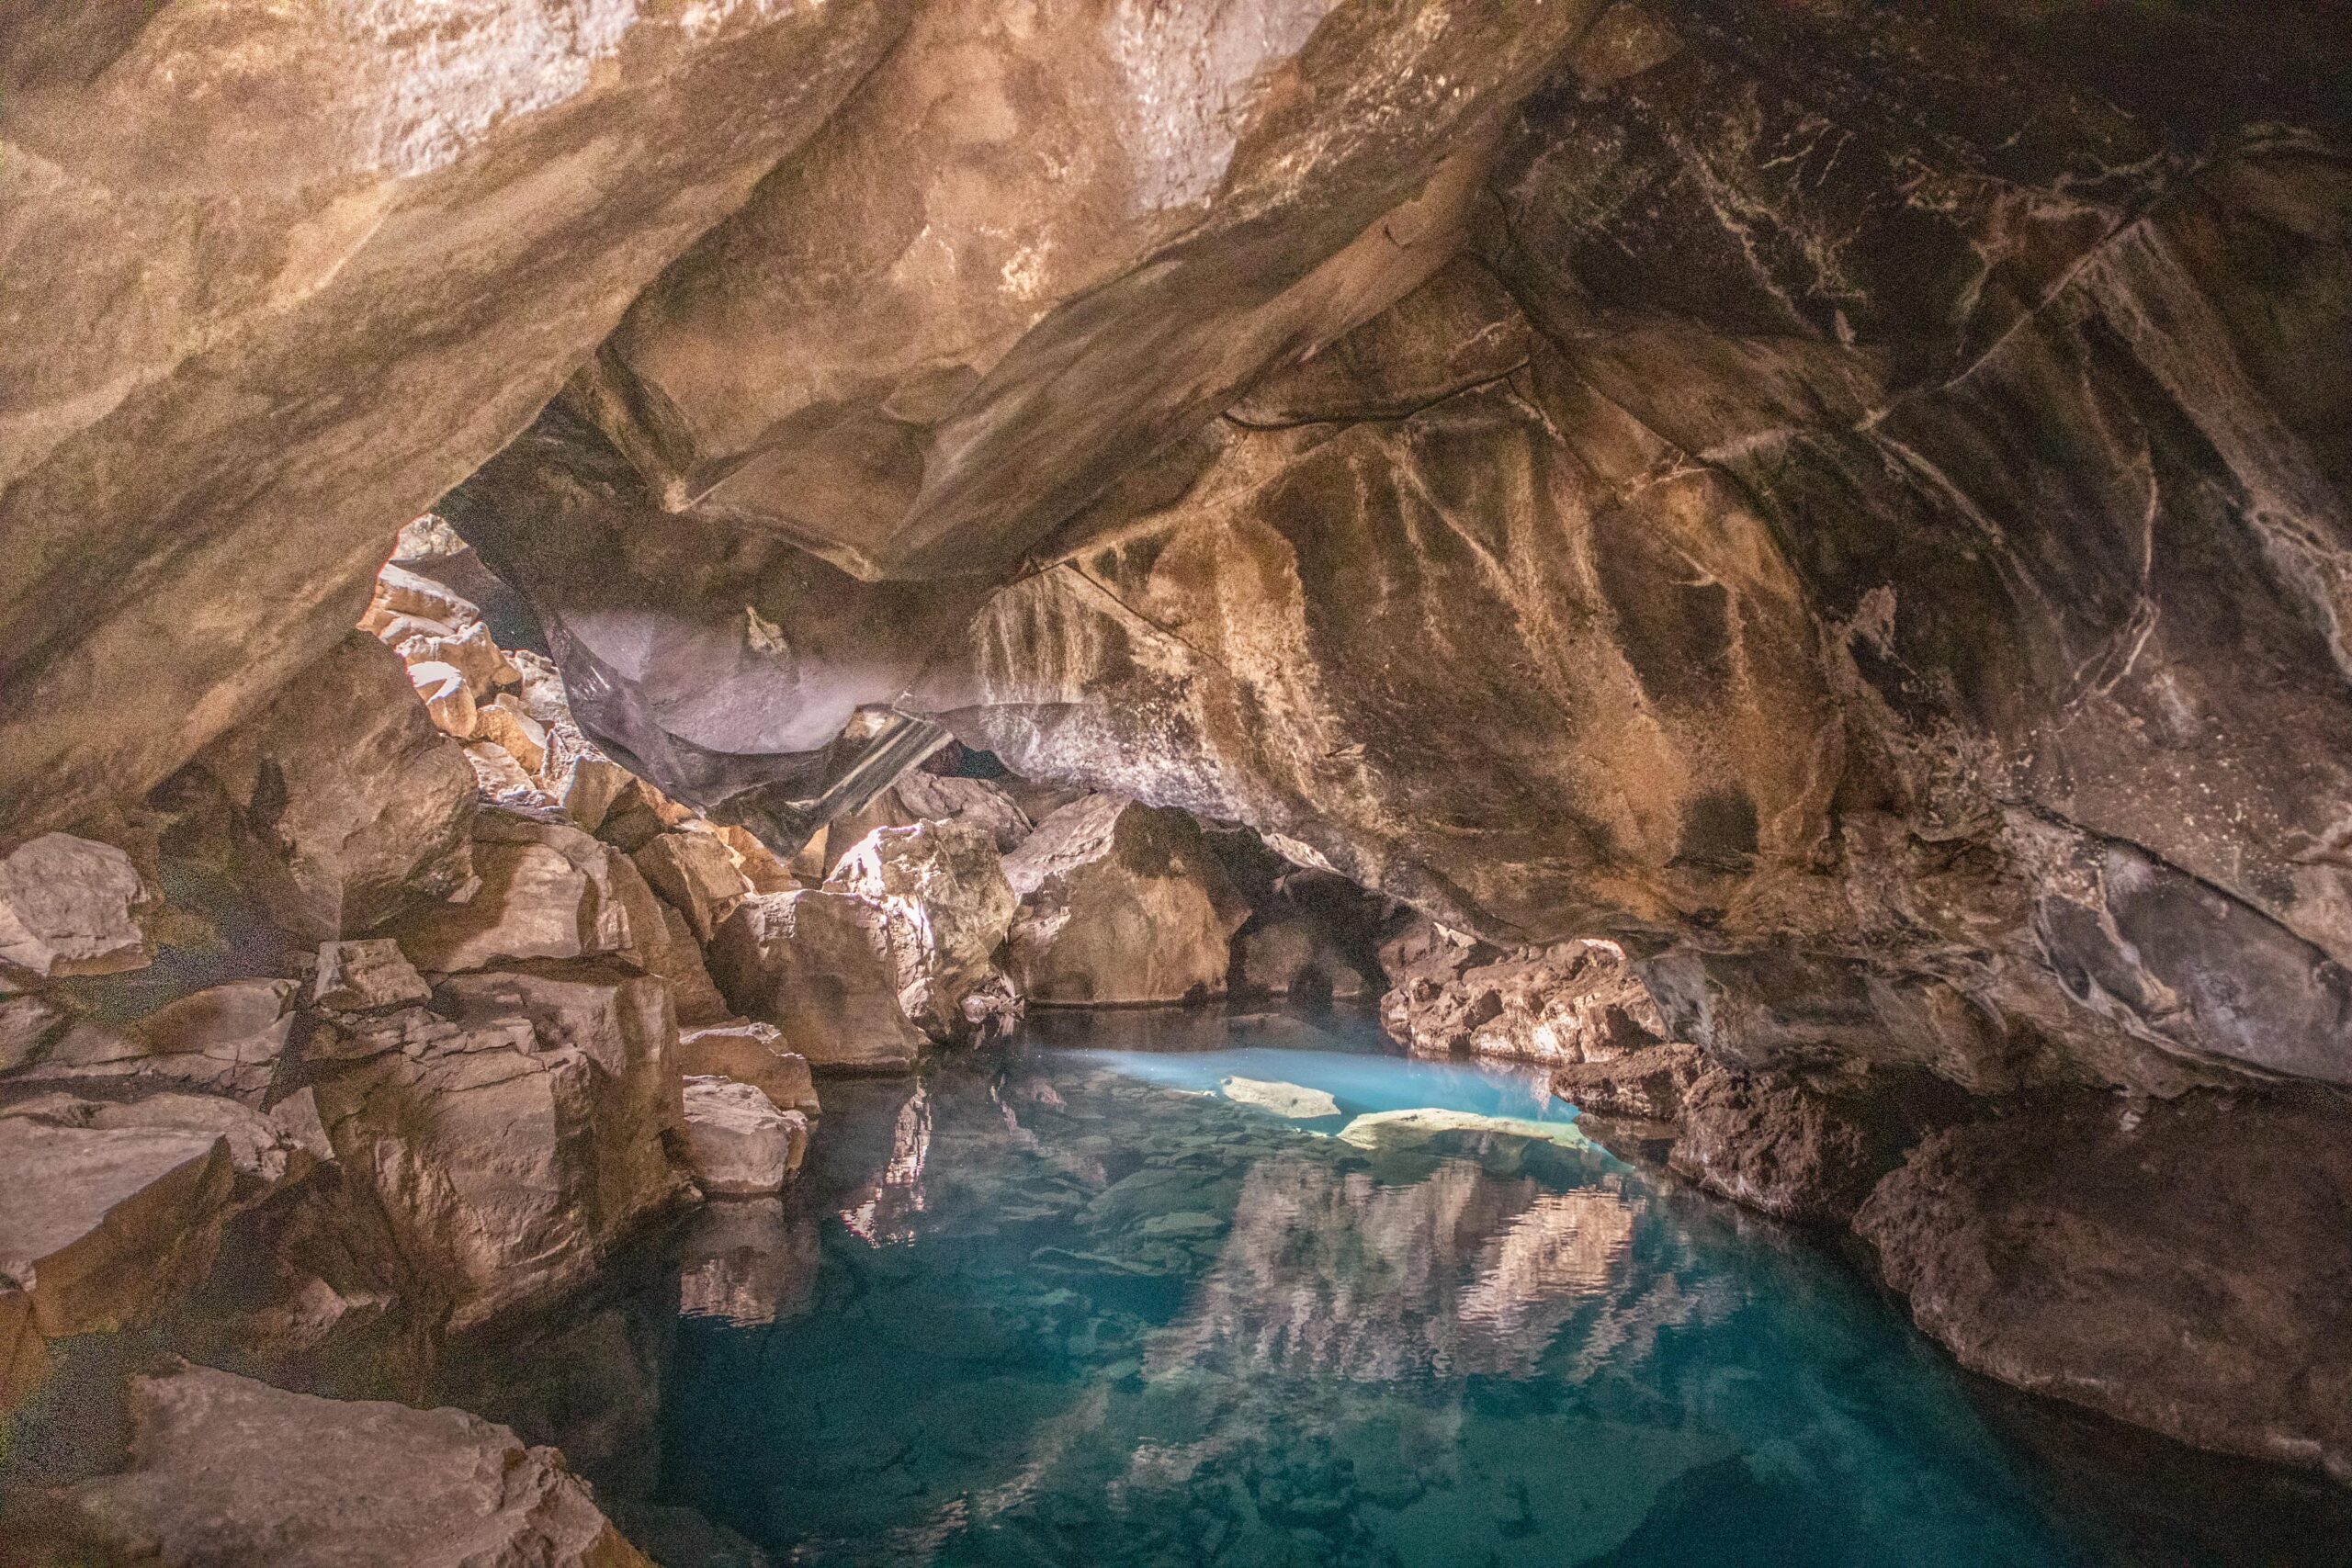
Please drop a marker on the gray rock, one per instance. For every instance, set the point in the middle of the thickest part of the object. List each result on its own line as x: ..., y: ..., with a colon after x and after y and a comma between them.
x: 738, y: 1144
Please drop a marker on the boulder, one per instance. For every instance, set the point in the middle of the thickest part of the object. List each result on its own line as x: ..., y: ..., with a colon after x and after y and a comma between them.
x: 509, y: 1148
x: 1570, y: 1001
x: 938, y: 797
x: 66, y: 909
x: 28, y: 1023
x: 503, y: 723
x: 738, y: 1144
x: 1648, y: 1083
x: 2181, y: 1264
x: 469, y: 651
x: 223, y: 1470
x: 502, y: 781
x: 366, y: 974
x: 1120, y: 903
x: 943, y: 887
x: 759, y: 864
x: 820, y: 967
x: 547, y: 891
x: 1803, y: 1146
x: 264, y: 1149
x: 351, y: 804
x: 227, y: 1038
x: 753, y: 1054
x: 104, y: 1227
x: 696, y: 874
x: 677, y: 958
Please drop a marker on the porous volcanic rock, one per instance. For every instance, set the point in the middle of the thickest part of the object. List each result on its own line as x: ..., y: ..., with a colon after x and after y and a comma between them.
x: 943, y: 885
x: 818, y: 966
x: 1120, y: 903
x: 1572, y: 1001
x: 2181, y: 1265
x: 226, y: 1470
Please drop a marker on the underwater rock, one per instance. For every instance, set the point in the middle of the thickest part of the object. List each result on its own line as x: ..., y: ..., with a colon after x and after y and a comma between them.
x: 1120, y: 903
x: 1384, y: 1129
x: 226, y: 1470
x: 2181, y: 1265
x: 1291, y: 1100
x: 943, y: 887
x: 66, y: 909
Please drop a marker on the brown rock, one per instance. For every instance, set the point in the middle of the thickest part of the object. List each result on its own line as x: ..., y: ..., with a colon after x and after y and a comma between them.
x: 696, y: 874
x: 2180, y: 1265
x: 943, y: 887
x: 1291, y: 956
x: 354, y: 805
x: 226, y: 1039
x: 65, y: 909
x: 738, y: 1144
x: 523, y: 738
x: 677, y: 959
x: 1801, y: 1148
x: 1650, y: 1083
x: 1573, y: 1001
x: 106, y: 1226
x: 23, y: 1355
x: 1119, y: 902
x: 211, y: 1481
x: 936, y: 797
x: 819, y: 967
x: 360, y: 977
x: 757, y: 863
x: 753, y: 1054
x: 547, y: 891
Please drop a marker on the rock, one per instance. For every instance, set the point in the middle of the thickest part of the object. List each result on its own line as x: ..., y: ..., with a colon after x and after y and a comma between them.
x: 106, y: 1226
x: 1291, y: 956
x: 261, y: 1148
x: 515, y: 732
x: 818, y: 966
x: 353, y: 804
x: 449, y: 699
x: 470, y: 653
x: 752, y: 1053
x: 1800, y: 1147
x: 547, y: 891
x: 757, y: 863
x: 677, y: 959
x: 66, y: 909
x: 1119, y: 902
x: 508, y: 1148
x: 23, y: 1355
x: 227, y: 1038
x: 936, y: 797
x: 696, y: 874
x: 28, y: 1023
x: 208, y: 1482
x: 500, y: 780
x: 943, y: 887
x: 1285, y: 1099
x: 738, y: 1144
x: 1386, y: 1131
x: 1650, y: 1083
x: 361, y: 976
x: 1573, y: 1001
x: 2176, y: 1264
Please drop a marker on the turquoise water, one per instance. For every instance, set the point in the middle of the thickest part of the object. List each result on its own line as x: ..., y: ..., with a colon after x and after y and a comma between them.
x: 1103, y: 1305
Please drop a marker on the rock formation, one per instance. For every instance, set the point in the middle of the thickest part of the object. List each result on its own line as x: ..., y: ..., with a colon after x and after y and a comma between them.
x: 819, y: 967
x: 738, y: 1144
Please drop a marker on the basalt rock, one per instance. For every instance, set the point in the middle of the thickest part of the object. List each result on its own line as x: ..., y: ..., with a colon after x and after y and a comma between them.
x: 1575, y: 1001
x: 2180, y: 1265
x: 1120, y: 902
x: 1650, y: 1083
x: 738, y: 1144
x: 1806, y: 1147
x: 360, y: 977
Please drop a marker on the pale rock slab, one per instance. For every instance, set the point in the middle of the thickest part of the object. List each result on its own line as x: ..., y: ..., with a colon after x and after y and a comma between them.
x: 66, y: 909
x: 753, y: 1053
x: 818, y: 966
x: 354, y: 804
x: 738, y: 1144
x: 213, y: 1479
x: 943, y: 887
x: 1120, y: 903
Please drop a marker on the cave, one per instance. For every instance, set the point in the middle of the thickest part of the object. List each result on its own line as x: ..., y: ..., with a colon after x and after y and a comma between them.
x: 1194, y: 781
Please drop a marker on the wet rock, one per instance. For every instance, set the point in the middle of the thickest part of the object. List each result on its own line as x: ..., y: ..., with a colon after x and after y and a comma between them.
x: 1382, y: 1131
x: 738, y: 1144
x: 353, y: 806
x: 362, y: 975
x: 1650, y: 1083
x: 547, y: 891
x: 1806, y: 1147
x: 943, y: 887
x: 1573, y: 1001
x: 937, y: 797
x: 209, y: 1481
x: 66, y: 909
x: 1120, y: 902
x: 820, y: 967
x: 696, y: 874
x: 2179, y: 1265
x: 106, y: 1226
x: 510, y: 1147
x: 753, y: 1054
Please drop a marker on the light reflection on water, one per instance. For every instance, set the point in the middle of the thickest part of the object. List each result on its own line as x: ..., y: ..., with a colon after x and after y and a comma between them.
x: 1082, y: 1306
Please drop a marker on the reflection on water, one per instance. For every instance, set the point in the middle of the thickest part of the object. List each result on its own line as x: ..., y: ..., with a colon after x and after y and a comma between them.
x: 1091, y: 1305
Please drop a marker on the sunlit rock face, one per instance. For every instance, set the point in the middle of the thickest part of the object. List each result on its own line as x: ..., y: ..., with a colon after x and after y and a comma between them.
x: 278, y: 276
